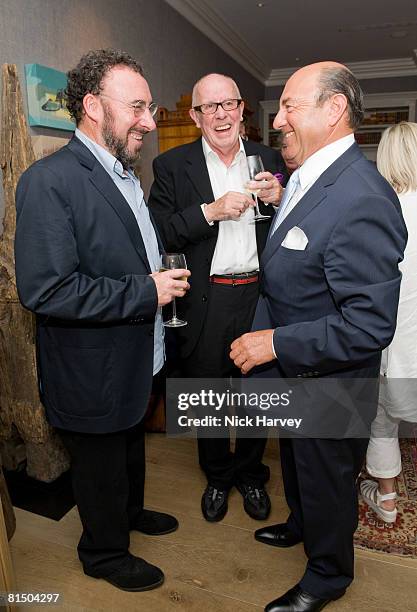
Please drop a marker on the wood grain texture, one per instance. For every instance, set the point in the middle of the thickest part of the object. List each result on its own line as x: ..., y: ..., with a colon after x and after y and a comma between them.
x: 216, y: 567
x: 7, y: 579
x: 20, y: 407
x: 8, y: 513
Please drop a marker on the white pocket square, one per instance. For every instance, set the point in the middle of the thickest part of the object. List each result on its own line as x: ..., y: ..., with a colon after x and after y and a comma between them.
x: 295, y: 239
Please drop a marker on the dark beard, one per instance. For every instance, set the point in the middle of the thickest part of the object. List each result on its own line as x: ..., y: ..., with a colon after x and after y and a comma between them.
x: 116, y: 145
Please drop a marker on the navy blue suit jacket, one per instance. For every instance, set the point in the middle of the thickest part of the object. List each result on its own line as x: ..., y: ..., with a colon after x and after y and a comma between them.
x: 334, y: 305
x: 81, y: 266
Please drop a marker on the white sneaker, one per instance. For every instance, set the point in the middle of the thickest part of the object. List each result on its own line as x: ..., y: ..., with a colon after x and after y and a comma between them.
x: 372, y: 497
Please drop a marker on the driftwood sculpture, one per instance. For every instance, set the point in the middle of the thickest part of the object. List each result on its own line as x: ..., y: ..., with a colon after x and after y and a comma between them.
x: 24, y: 432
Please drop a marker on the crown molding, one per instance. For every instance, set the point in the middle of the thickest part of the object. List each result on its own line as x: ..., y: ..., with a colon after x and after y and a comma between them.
x: 205, y: 19
x: 200, y: 15
x: 376, y: 69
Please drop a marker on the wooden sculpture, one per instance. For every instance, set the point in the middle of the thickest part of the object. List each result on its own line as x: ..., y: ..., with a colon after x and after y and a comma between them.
x: 24, y: 431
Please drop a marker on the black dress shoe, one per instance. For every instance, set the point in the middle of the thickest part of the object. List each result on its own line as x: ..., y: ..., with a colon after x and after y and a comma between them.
x: 277, y: 535
x: 134, y: 574
x: 214, y: 503
x: 255, y: 501
x: 297, y: 600
x: 154, y: 523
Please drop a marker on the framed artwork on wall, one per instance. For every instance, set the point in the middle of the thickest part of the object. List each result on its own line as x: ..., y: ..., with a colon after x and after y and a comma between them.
x: 45, y: 92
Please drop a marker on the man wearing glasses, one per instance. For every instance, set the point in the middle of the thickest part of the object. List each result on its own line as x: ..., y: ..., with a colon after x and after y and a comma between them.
x: 86, y: 255
x: 199, y: 202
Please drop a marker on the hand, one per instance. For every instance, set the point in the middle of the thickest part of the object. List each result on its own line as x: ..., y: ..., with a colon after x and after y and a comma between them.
x: 230, y: 206
x: 271, y: 192
x: 169, y: 284
x: 252, y: 349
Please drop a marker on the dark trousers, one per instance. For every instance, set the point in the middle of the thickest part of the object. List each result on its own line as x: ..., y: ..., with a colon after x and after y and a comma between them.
x: 108, y: 477
x: 320, y: 489
x: 230, y: 313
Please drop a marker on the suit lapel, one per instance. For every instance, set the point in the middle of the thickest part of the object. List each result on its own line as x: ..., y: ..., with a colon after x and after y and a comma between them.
x: 310, y: 200
x: 103, y: 183
x: 197, y: 172
x: 158, y: 237
x: 196, y: 169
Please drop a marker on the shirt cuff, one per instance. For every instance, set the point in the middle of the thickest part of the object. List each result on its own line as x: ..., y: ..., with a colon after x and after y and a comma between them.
x: 273, y: 347
x: 204, y: 213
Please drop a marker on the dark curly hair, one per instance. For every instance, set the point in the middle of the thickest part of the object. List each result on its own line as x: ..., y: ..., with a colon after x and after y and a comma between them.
x: 88, y: 75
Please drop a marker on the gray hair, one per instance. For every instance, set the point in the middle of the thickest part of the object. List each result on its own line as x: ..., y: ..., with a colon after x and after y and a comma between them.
x: 396, y: 157
x: 340, y: 80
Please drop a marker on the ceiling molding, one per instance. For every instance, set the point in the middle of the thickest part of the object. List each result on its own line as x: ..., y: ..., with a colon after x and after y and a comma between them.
x: 205, y: 19
x: 377, y: 69
x: 199, y: 13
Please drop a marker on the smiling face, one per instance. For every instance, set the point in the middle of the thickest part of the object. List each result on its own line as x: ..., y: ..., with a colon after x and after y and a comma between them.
x: 121, y: 131
x: 221, y: 129
x: 306, y: 127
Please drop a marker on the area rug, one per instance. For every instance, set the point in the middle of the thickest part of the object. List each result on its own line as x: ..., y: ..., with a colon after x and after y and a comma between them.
x: 399, y: 538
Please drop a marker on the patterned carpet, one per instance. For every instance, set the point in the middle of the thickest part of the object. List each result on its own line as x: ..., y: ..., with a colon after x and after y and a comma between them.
x: 399, y: 538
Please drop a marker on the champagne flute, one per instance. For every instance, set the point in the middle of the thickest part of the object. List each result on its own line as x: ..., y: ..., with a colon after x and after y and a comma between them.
x: 173, y: 261
x: 255, y: 166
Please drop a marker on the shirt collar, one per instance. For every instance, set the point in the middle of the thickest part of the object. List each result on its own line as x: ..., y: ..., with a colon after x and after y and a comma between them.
x: 208, y: 151
x: 322, y: 159
x: 107, y: 160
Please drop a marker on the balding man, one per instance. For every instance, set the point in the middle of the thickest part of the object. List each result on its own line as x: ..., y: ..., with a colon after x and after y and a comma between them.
x: 198, y: 200
x: 329, y: 296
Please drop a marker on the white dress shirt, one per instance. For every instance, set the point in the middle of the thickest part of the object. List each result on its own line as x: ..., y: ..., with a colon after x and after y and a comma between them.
x: 314, y: 166
x: 236, y: 249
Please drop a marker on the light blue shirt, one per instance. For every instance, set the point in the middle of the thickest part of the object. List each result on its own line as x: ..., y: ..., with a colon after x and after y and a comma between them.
x: 129, y: 186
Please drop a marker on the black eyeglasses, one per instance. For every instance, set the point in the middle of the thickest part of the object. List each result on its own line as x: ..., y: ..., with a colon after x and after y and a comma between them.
x: 211, y: 107
x: 138, y: 107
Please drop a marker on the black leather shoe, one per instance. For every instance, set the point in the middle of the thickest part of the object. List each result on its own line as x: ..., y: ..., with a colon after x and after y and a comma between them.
x: 255, y: 501
x: 214, y: 503
x: 134, y: 574
x: 155, y: 523
x: 277, y: 535
x: 297, y: 600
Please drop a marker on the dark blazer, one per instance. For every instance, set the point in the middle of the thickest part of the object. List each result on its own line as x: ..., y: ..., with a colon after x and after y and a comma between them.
x: 81, y: 266
x: 181, y: 185
x: 333, y: 307
x: 334, y: 304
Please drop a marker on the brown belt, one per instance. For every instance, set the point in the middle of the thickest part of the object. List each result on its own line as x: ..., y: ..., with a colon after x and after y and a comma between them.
x: 245, y: 278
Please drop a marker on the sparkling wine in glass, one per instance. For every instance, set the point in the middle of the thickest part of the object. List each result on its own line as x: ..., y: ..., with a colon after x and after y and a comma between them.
x: 174, y: 261
x: 255, y: 166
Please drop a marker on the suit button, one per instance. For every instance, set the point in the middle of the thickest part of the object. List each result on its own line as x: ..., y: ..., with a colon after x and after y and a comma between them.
x: 151, y: 332
x: 204, y: 298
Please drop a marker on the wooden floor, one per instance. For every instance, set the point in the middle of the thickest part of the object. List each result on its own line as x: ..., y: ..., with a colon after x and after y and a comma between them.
x: 212, y: 567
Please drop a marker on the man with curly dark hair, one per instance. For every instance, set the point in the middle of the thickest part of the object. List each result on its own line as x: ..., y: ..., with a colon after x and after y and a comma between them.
x: 87, y: 257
